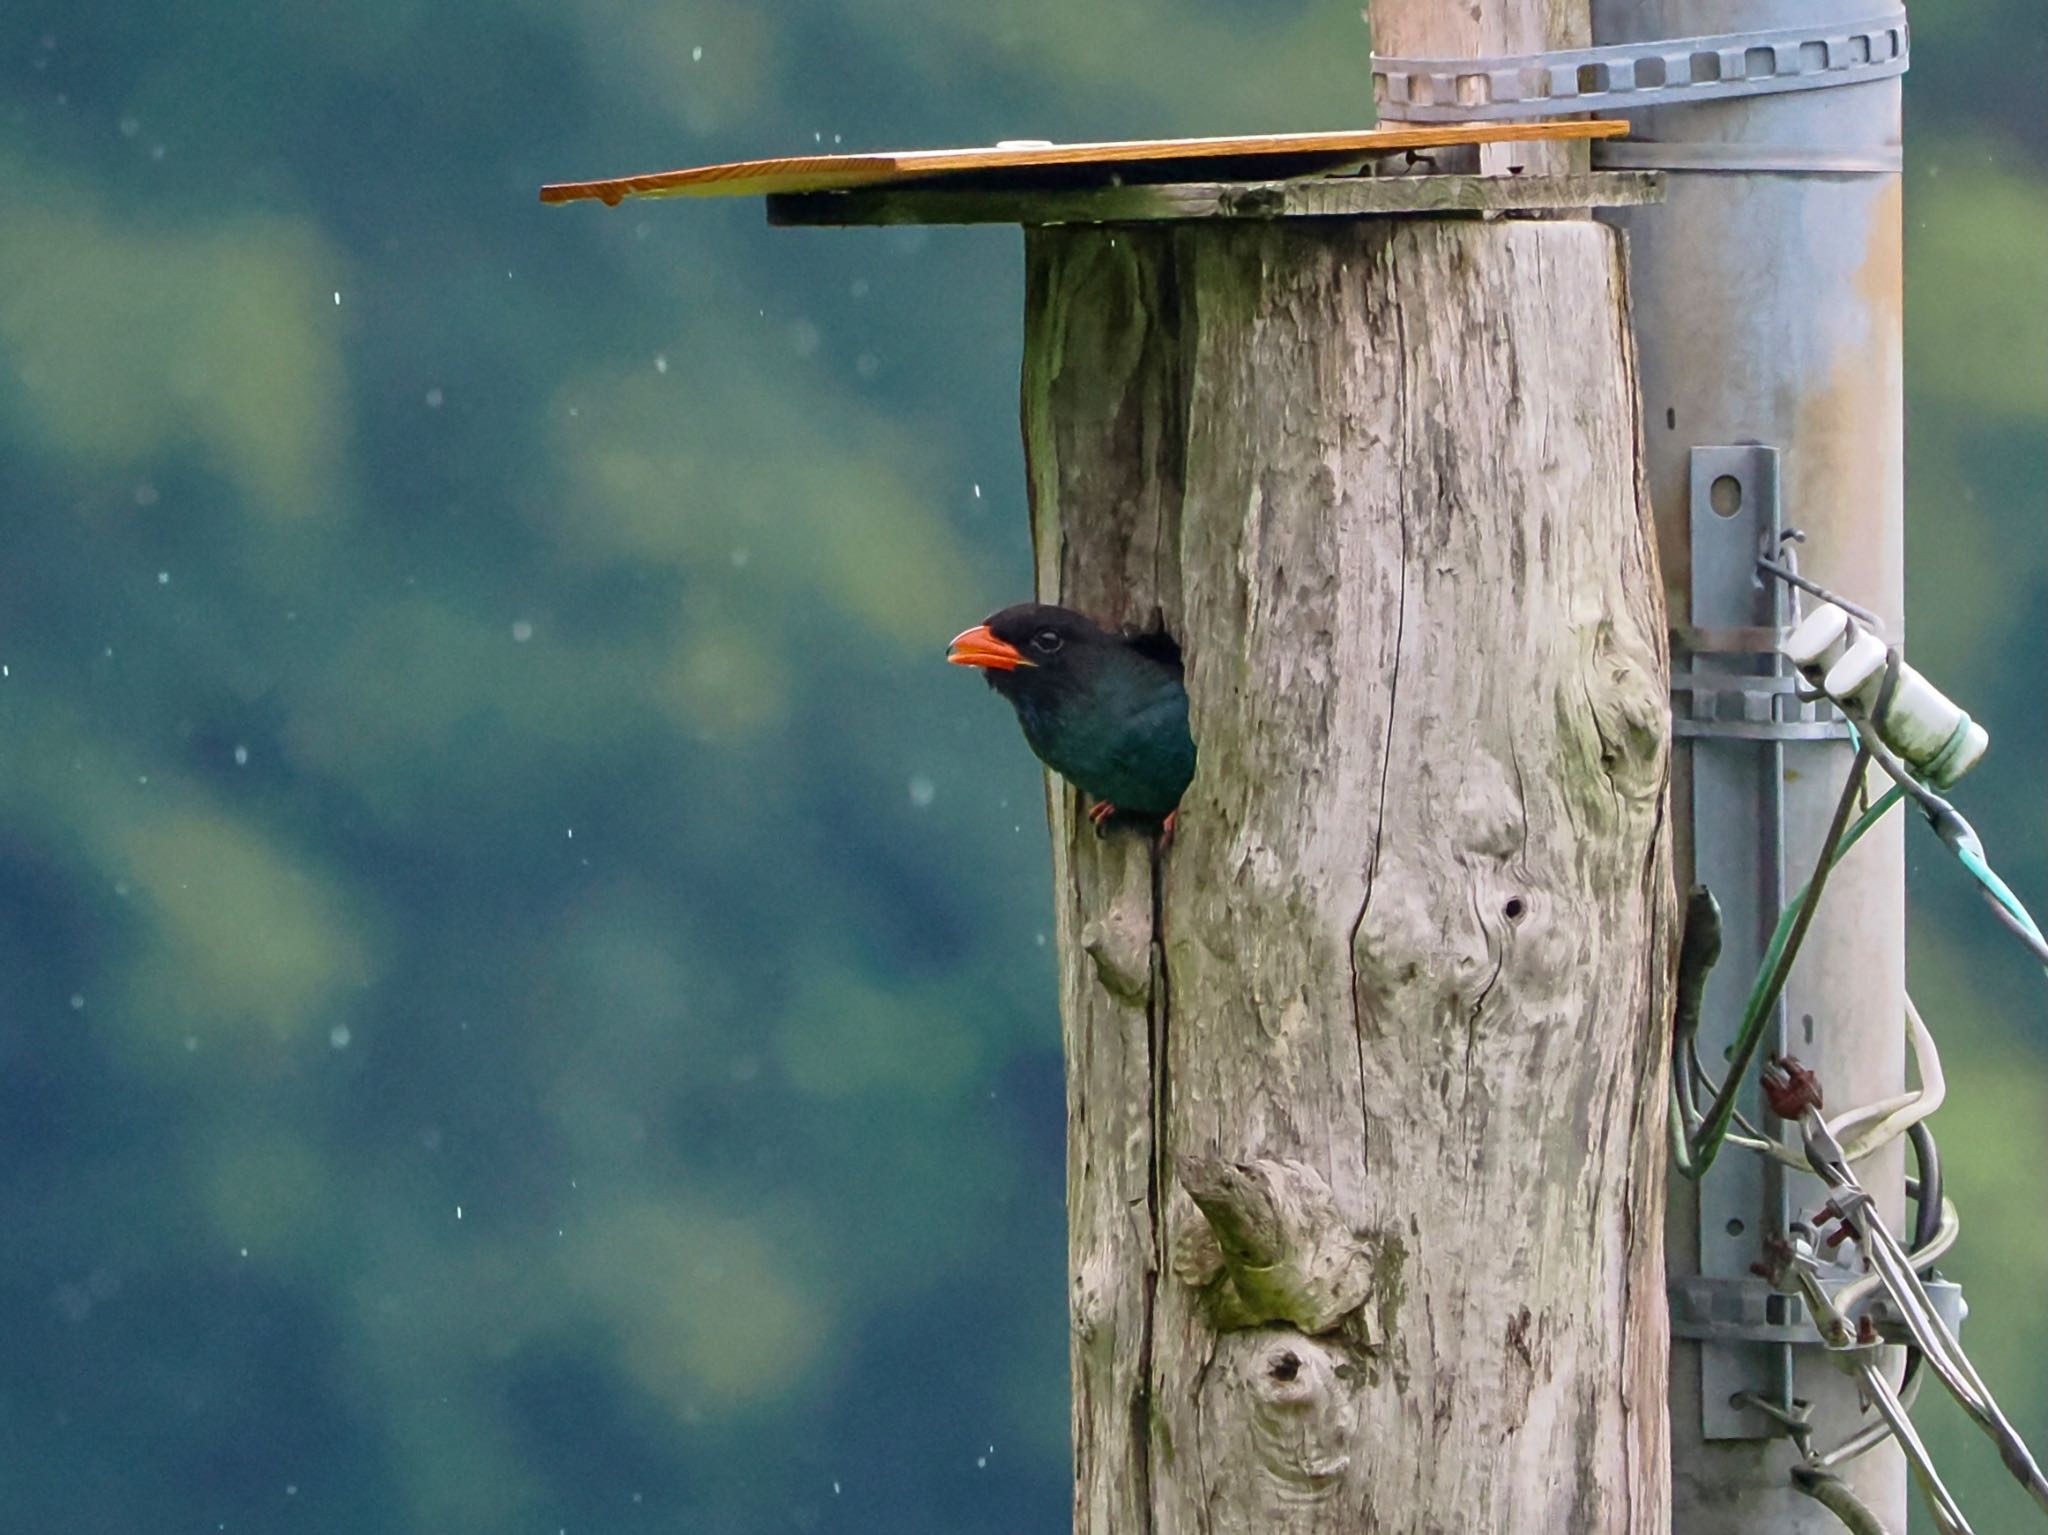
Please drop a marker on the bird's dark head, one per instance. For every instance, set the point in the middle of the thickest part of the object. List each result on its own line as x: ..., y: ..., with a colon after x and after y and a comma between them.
x: 1029, y: 647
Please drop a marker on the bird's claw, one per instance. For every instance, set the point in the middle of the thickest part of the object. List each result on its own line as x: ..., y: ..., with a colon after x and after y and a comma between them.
x: 1103, y: 813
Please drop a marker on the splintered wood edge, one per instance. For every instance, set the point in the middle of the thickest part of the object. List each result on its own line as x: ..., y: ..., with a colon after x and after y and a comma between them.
x: 824, y: 173
x: 1312, y: 198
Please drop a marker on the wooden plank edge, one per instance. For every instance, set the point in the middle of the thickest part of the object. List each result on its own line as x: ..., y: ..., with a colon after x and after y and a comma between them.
x: 830, y: 172
x: 1403, y: 196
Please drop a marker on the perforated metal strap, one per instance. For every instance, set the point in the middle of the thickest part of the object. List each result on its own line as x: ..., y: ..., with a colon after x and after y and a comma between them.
x: 1630, y: 76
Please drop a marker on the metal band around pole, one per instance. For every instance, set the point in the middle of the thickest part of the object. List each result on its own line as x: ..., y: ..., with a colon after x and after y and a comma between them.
x: 1652, y: 154
x: 1630, y: 76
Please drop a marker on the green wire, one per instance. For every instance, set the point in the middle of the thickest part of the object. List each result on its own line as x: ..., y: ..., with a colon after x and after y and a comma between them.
x: 1997, y: 889
x: 1700, y: 1152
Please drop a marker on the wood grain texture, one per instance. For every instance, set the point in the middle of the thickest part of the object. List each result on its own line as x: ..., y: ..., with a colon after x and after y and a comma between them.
x: 1304, y: 197
x: 1482, y: 29
x: 1397, y: 1006
x: 822, y: 173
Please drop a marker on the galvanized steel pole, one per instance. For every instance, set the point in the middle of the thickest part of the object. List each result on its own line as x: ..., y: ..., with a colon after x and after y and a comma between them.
x: 1767, y: 310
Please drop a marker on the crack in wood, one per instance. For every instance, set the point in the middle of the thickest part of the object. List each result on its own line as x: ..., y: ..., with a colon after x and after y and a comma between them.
x: 1346, y: 461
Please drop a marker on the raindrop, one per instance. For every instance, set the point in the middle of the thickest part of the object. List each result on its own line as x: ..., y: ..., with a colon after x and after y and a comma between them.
x: 241, y: 756
x: 522, y: 631
x: 163, y: 578
x: 435, y: 398
x: 977, y: 492
x: 339, y: 1036
x: 697, y: 54
x: 77, y: 1003
x: 922, y: 791
x: 129, y: 127
x: 661, y: 362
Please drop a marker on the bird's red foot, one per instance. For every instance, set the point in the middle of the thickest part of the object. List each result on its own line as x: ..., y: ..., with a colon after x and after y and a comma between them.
x: 1100, y: 813
x: 1167, y: 828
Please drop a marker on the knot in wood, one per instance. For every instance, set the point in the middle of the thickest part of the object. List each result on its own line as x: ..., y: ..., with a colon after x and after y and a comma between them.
x: 1119, y: 942
x: 1286, y: 1253
x: 1304, y: 1415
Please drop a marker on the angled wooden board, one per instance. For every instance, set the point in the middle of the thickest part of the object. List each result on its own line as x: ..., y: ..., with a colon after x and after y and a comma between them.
x: 1275, y: 155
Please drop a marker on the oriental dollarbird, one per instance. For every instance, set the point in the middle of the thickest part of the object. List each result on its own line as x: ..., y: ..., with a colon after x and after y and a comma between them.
x: 1107, y: 712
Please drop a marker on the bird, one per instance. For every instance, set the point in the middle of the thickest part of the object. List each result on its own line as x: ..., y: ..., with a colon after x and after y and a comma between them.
x: 1108, y: 712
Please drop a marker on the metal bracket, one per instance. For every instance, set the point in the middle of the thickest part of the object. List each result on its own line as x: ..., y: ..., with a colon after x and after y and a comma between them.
x: 1729, y: 675
x: 1749, y: 1310
x: 1630, y: 76
x: 1739, y: 715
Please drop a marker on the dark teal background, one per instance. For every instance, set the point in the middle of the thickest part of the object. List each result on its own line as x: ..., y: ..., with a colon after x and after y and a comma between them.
x: 524, y: 998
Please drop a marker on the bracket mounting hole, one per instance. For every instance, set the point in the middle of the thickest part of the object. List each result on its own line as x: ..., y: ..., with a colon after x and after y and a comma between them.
x: 1725, y: 495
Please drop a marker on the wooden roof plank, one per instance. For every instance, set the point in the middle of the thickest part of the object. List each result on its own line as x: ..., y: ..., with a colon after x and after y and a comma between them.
x: 827, y: 173
x: 1310, y: 197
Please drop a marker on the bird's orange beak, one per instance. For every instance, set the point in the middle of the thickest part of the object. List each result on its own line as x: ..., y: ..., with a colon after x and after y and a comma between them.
x: 979, y: 647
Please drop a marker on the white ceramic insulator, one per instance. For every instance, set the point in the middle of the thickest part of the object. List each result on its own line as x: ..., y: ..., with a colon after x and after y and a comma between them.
x: 1920, y: 719
x: 1857, y: 674
x: 1819, y: 640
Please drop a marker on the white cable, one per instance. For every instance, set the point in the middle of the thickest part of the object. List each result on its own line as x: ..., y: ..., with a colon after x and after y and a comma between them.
x: 1894, y: 1116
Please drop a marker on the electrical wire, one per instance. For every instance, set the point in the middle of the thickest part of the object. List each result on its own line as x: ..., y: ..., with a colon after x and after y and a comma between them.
x: 1886, y: 1120
x: 1701, y: 1148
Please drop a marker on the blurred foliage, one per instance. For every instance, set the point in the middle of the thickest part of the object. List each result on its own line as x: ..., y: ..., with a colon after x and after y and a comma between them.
x: 528, y: 1003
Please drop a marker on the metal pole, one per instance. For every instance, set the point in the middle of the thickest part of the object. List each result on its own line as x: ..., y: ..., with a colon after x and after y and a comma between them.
x: 1767, y: 309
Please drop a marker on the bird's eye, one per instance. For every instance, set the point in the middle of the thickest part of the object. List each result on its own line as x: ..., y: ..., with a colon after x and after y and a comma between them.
x: 1046, y: 642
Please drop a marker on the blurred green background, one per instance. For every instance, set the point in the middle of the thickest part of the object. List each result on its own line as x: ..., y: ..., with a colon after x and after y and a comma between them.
x: 526, y: 996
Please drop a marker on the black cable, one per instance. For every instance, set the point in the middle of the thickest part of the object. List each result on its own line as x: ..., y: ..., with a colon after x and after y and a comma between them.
x: 1698, y: 949
x: 1926, y: 1191
x: 1927, y: 1211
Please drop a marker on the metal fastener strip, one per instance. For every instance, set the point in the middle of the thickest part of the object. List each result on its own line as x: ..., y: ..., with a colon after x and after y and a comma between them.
x: 1629, y: 76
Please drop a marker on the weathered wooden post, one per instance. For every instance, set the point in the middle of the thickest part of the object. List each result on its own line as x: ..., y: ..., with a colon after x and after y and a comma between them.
x: 1366, y: 1076
x: 1768, y: 288
x: 1365, y: 1179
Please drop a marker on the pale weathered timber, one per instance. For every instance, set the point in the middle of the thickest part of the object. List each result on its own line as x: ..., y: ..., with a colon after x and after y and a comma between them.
x: 1403, y: 1031
x: 1489, y: 29
x: 1305, y: 197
